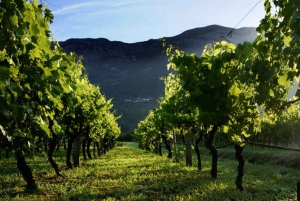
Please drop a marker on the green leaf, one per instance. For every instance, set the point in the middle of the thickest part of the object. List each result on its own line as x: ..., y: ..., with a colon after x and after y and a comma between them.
x: 28, y: 109
x: 47, y: 72
x: 13, y: 71
x: 5, y: 112
x: 15, y: 88
x: 44, y: 126
x: 298, y: 92
x: 292, y: 108
x: 283, y: 80
x: 4, y: 73
x: 2, y: 88
x: 235, y: 90
x: 29, y: 16
x: 271, y: 93
x: 246, y: 135
x: 58, y: 104
x: 55, y: 57
x: 287, y: 40
x: 15, y: 111
x: 225, y: 129
x: 13, y: 20
x: 237, y: 140
x: 231, y: 46
x: 66, y: 87
x: 33, y: 28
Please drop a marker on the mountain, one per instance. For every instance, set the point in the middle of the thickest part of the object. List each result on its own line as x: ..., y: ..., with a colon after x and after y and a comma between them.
x: 130, y: 73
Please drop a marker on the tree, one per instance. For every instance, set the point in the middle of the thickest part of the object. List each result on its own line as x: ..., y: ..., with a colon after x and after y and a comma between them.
x: 29, y: 73
x: 227, y: 82
x: 43, y: 93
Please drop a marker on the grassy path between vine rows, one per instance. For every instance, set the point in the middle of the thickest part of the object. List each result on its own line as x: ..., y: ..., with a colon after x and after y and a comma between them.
x: 127, y: 173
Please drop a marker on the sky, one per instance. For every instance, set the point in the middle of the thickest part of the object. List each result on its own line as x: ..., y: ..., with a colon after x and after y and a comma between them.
x: 133, y: 21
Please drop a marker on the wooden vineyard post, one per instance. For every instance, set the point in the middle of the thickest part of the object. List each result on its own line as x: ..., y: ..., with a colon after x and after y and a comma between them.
x: 175, y: 147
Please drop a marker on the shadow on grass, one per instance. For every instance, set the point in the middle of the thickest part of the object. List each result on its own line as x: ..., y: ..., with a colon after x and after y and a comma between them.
x: 181, y: 183
x: 185, y: 187
x: 132, y: 174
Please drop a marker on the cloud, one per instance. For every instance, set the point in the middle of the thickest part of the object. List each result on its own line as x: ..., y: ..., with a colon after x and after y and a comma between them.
x: 95, y: 6
x: 76, y: 8
x: 138, y: 2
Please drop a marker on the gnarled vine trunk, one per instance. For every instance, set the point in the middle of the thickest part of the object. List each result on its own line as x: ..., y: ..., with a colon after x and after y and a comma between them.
x: 69, y: 151
x: 76, y: 150
x: 51, y: 149
x: 168, y: 146
x: 103, y: 145
x: 98, y: 148
x: 188, y: 149
x: 175, y: 147
x: 197, y: 150
x: 240, y: 167
x: 159, y: 149
x: 83, y: 143
x: 26, y: 173
x: 88, y: 146
x: 214, y: 154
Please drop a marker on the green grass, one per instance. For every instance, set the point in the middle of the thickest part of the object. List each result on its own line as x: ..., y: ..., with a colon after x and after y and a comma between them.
x: 263, y: 155
x: 127, y: 173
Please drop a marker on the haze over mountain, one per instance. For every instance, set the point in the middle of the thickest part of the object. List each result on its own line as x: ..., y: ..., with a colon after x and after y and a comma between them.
x: 130, y: 72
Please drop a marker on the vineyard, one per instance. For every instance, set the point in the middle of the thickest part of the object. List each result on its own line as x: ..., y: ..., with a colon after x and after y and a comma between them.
x: 44, y: 96
x: 228, y: 95
x: 231, y: 94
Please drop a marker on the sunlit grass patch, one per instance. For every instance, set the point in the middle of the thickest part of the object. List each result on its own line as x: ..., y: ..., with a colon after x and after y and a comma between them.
x: 127, y: 173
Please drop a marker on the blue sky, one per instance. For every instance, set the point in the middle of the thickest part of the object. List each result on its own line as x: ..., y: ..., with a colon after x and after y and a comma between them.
x: 140, y: 20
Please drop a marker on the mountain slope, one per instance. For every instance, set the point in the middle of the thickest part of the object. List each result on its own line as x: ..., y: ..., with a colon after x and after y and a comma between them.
x: 129, y: 72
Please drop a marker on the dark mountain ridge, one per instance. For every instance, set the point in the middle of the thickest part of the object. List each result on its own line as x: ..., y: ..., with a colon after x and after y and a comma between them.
x: 129, y: 72
x: 102, y: 47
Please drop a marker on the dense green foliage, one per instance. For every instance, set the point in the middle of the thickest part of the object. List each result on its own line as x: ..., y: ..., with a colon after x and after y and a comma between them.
x: 223, y: 91
x: 43, y: 93
x: 225, y: 87
x: 284, y: 131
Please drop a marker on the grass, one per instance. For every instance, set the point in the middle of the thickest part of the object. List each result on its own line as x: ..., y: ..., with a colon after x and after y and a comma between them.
x: 263, y: 155
x: 127, y: 173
